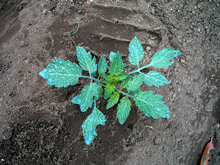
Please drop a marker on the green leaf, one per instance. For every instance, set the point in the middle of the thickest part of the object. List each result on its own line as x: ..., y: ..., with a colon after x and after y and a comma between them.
x: 98, y: 91
x: 112, y: 56
x: 134, y: 93
x: 85, y: 60
x: 89, y: 125
x: 124, y: 108
x: 85, y: 99
x: 61, y: 73
x: 160, y: 59
x: 116, y: 79
x: 76, y: 99
x: 155, y: 78
x: 120, y: 77
x: 93, y: 74
x: 109, y: 89
x: 102, y: 66
x: 109, y: 78
x: 126, y: 82
x: 117, y: 65
x: 151, y: 105
x: 136, y: 51
x: 136, y: 82
x: 113, y: 100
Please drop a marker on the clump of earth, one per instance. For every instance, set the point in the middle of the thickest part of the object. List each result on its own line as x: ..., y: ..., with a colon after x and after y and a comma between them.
x: 39, y: 124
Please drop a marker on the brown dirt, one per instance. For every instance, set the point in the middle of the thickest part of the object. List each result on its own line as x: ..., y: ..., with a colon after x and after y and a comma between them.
x: 39, y: 124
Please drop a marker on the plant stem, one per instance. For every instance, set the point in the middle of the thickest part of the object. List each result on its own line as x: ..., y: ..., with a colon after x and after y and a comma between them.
x: 138, y: 70
x: 71, y: 34
x: 92, y: 78
x: 124, y: 93
x: 101, y: 83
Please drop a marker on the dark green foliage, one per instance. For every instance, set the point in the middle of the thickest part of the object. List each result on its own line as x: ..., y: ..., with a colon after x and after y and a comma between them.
x: 64, y: 73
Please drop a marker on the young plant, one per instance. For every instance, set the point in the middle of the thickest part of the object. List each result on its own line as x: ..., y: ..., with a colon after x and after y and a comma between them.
x: 64, y: 73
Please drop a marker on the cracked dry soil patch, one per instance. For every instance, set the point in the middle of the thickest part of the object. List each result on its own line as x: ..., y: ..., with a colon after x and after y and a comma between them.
x: 39, y: 125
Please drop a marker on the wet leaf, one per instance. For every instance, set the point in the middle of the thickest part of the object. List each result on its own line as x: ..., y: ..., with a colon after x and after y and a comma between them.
x: 85, y: 99
x: 151, y: 104
x: 61, y: 73
x: 102, y: 66
x: 117, y: 64
x: 109, y: 89
x: 124, y: 108
x: 161, y: 58
x: 134, y: 93
x: 136, y: 82
x: 113, y: 100
x: 136, y: 51
x: 85, y: 60
x: 120, y: 77
x: 126, y: 82
x: 155, y: 78
x: 89, y: 125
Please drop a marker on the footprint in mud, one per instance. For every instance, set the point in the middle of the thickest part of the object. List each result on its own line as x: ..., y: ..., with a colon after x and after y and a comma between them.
x: 108, y: 28
x: 112, y: 28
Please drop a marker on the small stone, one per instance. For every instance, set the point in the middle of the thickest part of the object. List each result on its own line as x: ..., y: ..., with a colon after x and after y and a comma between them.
x: 52, y: 43
x: 182, y: 61
x: 153, y: 37
x: 148, y: 48
x: 65, y: 33
x: 22, y: 44
x: 80, y: 2
x: 45, y: 11
x: 26, y: 61
x: 150, y: 42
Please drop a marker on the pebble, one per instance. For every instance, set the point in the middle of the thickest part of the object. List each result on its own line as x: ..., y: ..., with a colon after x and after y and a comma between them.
x: 21, y: 44
x: 148, y: 48
x: 66, y: 33
x: 26, y: 61
x: 153, y: 37
x: 150, y: 42
x: 182, y: 61
x: 45, y: 11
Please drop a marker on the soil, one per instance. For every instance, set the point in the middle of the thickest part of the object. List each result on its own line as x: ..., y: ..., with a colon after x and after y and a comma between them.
x: 39, y: 124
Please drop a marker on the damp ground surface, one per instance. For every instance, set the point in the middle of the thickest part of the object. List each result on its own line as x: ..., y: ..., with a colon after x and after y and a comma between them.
x: 39, y: 124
